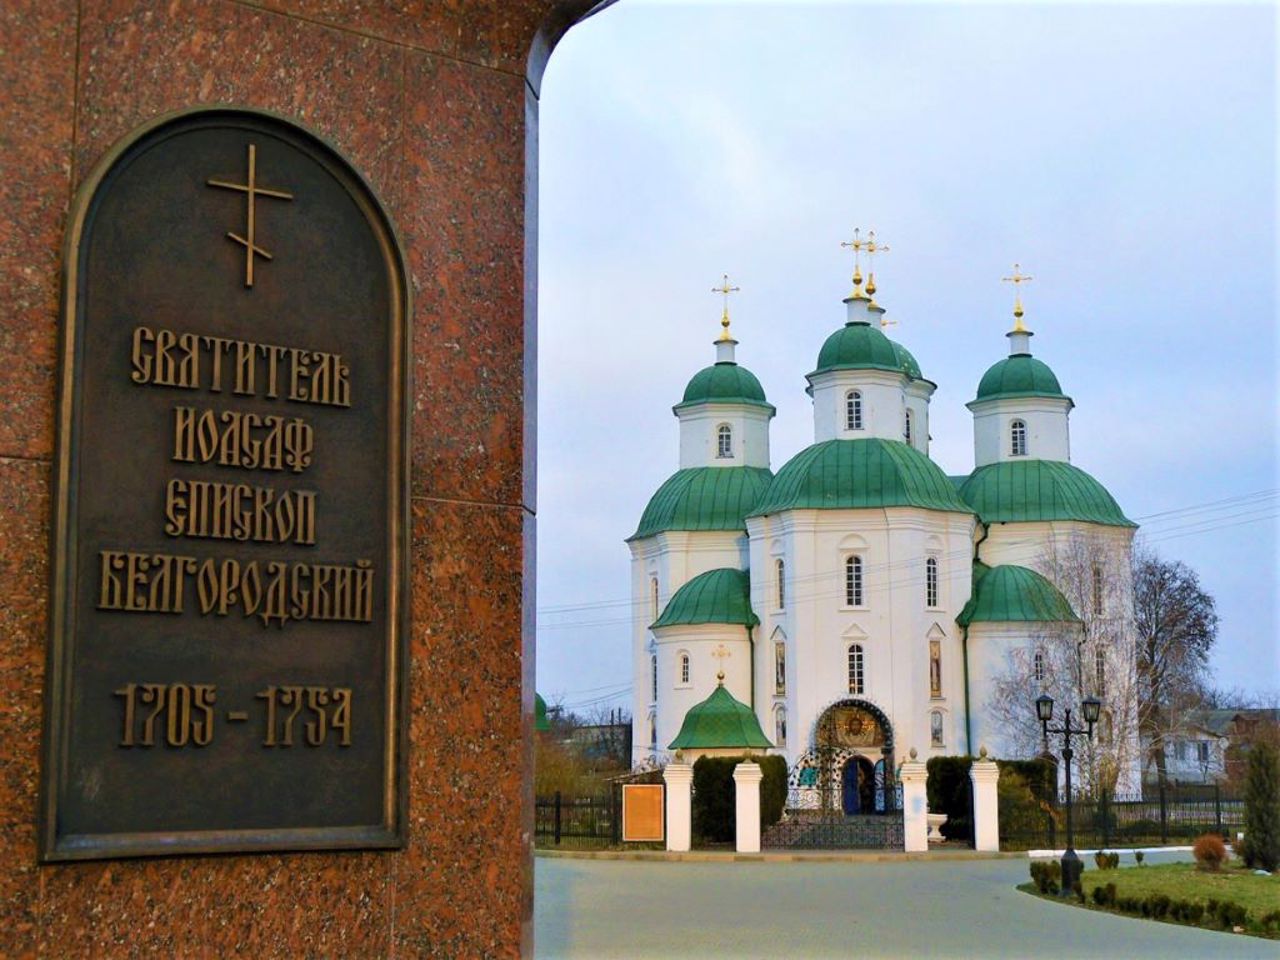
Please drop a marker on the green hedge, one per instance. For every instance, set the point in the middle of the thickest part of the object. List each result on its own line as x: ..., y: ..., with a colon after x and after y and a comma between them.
x: 950, y: 790
x: 714, y: 799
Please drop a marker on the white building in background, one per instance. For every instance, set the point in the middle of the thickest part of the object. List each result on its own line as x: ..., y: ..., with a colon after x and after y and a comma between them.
x: 859, y: 599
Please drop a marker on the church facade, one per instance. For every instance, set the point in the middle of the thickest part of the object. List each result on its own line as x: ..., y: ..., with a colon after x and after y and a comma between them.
x: 859, y: 601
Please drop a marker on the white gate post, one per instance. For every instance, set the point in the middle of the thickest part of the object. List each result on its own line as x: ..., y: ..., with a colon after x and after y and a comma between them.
x: 746, y: 788
x: 679, y: 779
x: 985, y: 776
x: 915, y: 805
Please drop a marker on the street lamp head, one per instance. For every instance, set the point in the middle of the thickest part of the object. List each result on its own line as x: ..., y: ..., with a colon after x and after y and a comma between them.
x: 1092, y: 707
x: 1044, y: 707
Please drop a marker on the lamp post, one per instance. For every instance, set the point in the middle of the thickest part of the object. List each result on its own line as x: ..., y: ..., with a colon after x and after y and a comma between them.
x: 1091, y: 707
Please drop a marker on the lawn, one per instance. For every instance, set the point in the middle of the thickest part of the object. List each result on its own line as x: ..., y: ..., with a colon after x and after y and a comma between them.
x: 1182, y: 882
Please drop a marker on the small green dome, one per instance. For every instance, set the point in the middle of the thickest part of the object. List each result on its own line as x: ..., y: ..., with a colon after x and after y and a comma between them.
x: 860, y: 346
x: 1013, y: 594
x: 720, y: 721
x: 717, y: 596
x: 853, y: 474
x: 724, y: 382
x: 540, y: 721
x: 1020, y: 375
x: 704, y: 498
x: 1026, y: 490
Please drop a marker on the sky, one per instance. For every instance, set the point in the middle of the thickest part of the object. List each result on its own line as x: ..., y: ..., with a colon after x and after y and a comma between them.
x: 1123, y: 154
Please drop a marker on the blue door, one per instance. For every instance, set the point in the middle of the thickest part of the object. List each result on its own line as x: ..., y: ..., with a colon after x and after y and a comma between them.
x: 849, y: 787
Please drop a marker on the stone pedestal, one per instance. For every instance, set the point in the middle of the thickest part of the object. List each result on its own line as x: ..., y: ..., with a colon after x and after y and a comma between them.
x: 436, y: 105
x: 679, y: 778
x: 915, y: 806
x: 985, y: 776
x: 746, y: 783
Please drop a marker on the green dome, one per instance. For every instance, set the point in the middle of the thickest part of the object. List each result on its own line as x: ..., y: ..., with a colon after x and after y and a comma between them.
x: 540, y: 721
x: 1023, y: 490
x: 853, y: 474
x: 1020, y: 375
x: 1013, y: 594
x: 906, y: 361
x: 717, y: 596
x: 861, y: 346
x: 724, y: 382
x: 704, y: 498
x: 720, y: 721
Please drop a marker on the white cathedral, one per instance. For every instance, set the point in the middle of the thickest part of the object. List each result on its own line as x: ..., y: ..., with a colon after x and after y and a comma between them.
x: 859, y: 594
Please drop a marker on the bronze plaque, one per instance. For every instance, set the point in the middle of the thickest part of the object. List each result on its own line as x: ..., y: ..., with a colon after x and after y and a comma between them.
x: 228, y: 625
x: 642, y: 812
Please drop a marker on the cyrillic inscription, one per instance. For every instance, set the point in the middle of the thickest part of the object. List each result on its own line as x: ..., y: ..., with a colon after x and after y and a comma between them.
x: 231, y: 491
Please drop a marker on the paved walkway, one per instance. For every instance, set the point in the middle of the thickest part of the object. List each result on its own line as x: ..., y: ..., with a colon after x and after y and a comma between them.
x: 603, y: 909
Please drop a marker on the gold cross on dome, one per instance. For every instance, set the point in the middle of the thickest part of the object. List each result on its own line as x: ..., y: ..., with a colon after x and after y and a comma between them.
x: 724, y: 290
x: 721, y: 653
x: 252, y: 191
x: 1018, y: 279
x: 857, y: 245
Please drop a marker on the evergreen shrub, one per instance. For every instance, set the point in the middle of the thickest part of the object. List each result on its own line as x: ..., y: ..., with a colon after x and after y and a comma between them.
x: 1262, y: 808
x: 714, y: 804
x: 950, y: 791
x: 773, y: 790
x: 1047, y: 875
x: 1106, y: 861
x: 715, y: 797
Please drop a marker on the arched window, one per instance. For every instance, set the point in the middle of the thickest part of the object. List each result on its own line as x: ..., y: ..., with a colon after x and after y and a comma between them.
x: 853, y: 410
x: 1038, y: 666
x: 931, y: 582
x: 653, y: 732
x: 684, y: 668
x: 780, y: 572
x: 779, y: 667
x: 1017, y: 439
x: 653, y: 670
x: 724, y: 442
x: 1097, y: 590
x: 853, y: 581
x: 935, y: 728
x: 855, y: 669
x: 1100, y: 671
x: 780, y: 727
x: 935, y: 669
x: 906, y: 427
x: 653, y: 598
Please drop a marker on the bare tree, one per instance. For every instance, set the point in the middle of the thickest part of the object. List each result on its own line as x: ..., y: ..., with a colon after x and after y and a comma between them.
x: 1176, y: 625
x: 1071, y: 661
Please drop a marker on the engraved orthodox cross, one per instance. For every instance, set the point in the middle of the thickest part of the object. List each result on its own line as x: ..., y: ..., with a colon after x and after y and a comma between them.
x: 252, y: 192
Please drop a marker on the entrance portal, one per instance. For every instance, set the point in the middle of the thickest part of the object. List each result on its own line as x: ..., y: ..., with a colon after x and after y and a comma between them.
x: 858, y: 786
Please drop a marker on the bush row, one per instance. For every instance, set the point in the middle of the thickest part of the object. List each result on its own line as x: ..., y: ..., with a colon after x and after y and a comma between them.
x: 1159, y: 906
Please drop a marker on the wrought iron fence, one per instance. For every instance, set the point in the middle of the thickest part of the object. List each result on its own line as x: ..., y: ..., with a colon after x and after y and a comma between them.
x: 1115, y: 821
x: 577, y: 822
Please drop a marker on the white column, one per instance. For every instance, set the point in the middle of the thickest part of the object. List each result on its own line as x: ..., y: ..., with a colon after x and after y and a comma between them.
x: 985, y: 775
x: 746, y: 784
x: 679, y: 778
x: 915, y: 805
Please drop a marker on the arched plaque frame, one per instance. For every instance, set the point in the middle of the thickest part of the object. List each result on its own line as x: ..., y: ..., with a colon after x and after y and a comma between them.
x: 257, y: 238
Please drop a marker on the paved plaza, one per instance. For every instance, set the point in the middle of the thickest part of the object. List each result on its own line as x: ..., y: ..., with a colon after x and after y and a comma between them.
x: 601, y: 909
